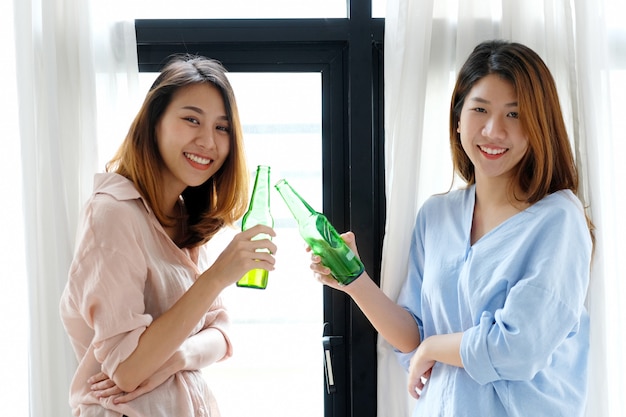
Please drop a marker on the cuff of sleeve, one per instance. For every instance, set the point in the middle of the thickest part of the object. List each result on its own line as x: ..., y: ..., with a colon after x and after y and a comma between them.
x: 121, y: 352
x: 404, y: 358
x: 475, y: 352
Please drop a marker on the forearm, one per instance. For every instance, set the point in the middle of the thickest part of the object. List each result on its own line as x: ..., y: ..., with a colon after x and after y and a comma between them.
x: 166, y: 335
x: 444, y: 348
x: 394, y: 323
x: 197, y: 351
x: 204, y: 349
x: 438, y: 348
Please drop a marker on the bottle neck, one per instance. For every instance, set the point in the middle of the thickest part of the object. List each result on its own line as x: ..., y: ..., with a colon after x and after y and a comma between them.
x: 298, y: 207
x: 261, y: 192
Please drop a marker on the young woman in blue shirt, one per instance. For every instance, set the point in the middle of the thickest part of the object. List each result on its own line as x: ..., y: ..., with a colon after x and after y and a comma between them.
x: 491, y: 319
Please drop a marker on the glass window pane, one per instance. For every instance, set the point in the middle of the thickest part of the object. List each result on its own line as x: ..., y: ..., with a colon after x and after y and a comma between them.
x: 379, y: 8
x: 277, y: 332
x: 237, y: 9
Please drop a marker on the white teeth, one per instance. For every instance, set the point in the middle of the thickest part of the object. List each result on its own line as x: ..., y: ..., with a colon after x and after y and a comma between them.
x: 196, y: 158
x: 491, y: 151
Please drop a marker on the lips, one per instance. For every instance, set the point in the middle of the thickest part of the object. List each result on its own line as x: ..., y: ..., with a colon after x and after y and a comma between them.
x: 198, y: 162
x: 197, y: 159
x: 492, y: 151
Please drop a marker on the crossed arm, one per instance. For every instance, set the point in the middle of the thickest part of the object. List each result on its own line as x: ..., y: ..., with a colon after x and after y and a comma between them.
x: 165, y: 347
x: 198, y: 351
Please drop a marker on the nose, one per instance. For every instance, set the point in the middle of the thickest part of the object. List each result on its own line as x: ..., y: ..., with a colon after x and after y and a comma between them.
x: 206, y: 138
x: 494, y: 128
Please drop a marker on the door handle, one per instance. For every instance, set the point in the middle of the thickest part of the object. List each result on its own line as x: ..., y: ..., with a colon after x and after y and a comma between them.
x: 328, y: 342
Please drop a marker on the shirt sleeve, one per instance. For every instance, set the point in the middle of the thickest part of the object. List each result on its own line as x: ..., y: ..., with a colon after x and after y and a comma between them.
x: 108, y: 277
x: 411, y: 292
x: 218, y: 318
x: 543, y: 308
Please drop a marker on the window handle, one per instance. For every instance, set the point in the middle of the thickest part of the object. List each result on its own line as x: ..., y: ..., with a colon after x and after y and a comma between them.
x: 328, y: 342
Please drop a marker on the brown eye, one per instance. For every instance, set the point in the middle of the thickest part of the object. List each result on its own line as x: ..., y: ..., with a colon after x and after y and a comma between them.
x: 192, y: 120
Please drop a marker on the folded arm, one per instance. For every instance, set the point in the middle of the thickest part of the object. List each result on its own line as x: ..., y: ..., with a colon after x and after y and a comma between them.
x: 197, y: 352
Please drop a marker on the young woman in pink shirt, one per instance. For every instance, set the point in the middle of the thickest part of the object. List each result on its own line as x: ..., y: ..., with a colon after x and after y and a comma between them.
x: 142, y: 305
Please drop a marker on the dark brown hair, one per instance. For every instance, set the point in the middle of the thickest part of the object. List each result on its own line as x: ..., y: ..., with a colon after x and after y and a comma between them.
x: 548, y: 165
x: 222, y: 199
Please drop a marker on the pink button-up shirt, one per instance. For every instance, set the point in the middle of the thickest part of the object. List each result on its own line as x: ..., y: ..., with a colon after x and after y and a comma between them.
x: 126, y: 272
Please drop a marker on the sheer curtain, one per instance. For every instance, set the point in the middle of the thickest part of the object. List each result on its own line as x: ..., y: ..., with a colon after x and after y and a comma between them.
x: 68, y: 57
x: 13, y: 298
x: 425, y: 43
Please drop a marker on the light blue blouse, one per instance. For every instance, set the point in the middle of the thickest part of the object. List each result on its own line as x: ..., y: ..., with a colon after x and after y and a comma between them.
x: 517, y: 295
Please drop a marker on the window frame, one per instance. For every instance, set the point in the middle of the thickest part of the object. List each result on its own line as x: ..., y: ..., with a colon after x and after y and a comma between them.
x: 349, y: 55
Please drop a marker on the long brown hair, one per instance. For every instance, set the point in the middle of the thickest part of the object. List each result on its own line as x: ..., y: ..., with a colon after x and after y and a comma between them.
x: 222, y: 199
x: 548, y: 165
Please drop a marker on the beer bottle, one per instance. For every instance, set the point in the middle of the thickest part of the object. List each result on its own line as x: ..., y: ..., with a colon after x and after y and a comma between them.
x: 322, y: 237
x: 258, y: 213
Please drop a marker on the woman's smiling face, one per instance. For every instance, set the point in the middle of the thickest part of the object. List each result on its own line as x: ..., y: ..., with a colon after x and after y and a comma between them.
x: 491, y: 132
x: 193, y: 137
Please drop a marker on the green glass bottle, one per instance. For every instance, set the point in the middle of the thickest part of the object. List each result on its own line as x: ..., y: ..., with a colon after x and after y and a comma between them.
x: 322, y: 237
x: 258, y: 213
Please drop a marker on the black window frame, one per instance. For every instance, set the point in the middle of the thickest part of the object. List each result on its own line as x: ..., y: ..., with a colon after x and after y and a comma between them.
x: 349, y: 55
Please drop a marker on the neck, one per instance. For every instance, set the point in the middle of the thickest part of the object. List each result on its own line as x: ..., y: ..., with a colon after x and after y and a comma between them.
x: 177, y: 213
x: 497, y: 192
x: 495, y: 202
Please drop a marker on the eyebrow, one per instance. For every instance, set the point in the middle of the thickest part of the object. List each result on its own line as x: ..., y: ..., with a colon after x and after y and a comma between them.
x: 194, y: 109
x: 200, y: 111
x: 482, y: 100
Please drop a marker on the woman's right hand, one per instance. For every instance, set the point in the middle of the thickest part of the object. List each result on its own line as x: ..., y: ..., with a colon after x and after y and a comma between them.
x: 244, y: 254
x: 323, y: 274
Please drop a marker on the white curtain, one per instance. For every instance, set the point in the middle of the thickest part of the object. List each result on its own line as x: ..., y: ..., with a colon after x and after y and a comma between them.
x: 13, y: 298
x: 68, y: 59
x: 425, y: 43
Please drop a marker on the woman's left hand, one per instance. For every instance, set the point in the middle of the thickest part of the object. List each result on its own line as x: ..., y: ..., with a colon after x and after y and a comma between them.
x: 103, y: 387
x: 443, y: 348
x: 420, y: 369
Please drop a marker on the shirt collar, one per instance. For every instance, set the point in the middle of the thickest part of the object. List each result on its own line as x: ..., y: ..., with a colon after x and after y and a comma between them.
x: 117, y: 186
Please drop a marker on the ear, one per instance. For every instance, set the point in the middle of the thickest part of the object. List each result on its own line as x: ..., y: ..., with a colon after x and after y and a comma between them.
x: 458, y: 127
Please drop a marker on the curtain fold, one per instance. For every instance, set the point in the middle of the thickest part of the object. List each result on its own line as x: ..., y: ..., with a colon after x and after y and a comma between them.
x: 405, y: 92
x: 425, y: 44
x: 13, y: 297
x: 598, y: 143
x: 57, y: 69
x: 50, y: 94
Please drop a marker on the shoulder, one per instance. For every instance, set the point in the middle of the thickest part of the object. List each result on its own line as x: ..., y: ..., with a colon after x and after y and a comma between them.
x: 116, y: 186
x: 559, y: 207
x: 557, y: 220
x: 115, y: 208
x: 443, y: 216
x: 114, y: 194
x: 567, y: 200
x: 453, y: 200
